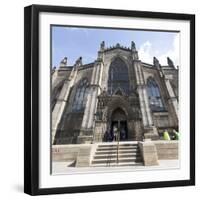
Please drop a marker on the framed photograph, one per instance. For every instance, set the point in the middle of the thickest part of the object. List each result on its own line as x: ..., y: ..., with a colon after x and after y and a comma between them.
x: 109, y: 99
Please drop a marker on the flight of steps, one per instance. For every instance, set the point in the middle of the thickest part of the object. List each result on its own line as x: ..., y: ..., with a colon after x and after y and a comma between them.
x: 106, y: 155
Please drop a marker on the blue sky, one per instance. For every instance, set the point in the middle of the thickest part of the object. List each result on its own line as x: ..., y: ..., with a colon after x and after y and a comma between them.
x: 74, y: 42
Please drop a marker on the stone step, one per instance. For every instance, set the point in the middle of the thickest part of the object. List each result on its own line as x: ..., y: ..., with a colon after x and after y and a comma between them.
x: 115, y: 148
x: 115, y: 155
x: 118, y: 165
x: 114, y: 160
x: 119, y: 151
x: 114, y: 145
x: 130, y: 153
x: 106, y: 155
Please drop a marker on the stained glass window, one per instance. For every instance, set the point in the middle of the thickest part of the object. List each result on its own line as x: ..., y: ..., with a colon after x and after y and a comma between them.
x: 155, y: 100
x: 81, y: 96
x: 118, y: 77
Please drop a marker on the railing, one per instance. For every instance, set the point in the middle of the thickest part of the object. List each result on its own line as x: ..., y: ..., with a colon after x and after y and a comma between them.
x: 109, y: 158
x: 118, y: 148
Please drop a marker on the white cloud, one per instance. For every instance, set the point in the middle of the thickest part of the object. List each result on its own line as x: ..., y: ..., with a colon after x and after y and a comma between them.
x: 146, y: 53
x: 172, y: 53
x: 74, y: 29
x: 71, y: 28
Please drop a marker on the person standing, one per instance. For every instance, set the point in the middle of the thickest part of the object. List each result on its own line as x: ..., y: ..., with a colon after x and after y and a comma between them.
x: 115, y: 131
x: 123, y: 134
x: 176, y: 134
x: 166, y: 135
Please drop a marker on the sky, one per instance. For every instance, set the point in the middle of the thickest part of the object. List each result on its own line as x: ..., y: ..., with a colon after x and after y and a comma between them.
x: 73, y: 42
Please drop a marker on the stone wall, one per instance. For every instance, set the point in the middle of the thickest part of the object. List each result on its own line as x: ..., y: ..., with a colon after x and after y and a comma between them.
x: 153, y: 151
x: 79, y: 154
x: 149, y: 153
x: 69, y: 129
x: 167, y: 149
x: 63, y: 153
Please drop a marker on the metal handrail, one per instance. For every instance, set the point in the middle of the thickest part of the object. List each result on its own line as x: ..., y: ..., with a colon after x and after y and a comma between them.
x: 118, y: 148
x: 109, y: 159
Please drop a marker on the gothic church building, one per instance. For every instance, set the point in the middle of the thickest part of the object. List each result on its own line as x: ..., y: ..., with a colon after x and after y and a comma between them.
x: 117, y: 90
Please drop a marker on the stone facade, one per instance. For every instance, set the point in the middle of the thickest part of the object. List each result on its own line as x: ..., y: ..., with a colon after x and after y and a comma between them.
x: 117, y: 90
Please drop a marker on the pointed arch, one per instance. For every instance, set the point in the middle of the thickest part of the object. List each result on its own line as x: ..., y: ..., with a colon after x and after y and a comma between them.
x: 118, y: 113
x: 118, y: 76
x: 155, y: 99
x: 118, y: 91
x: 80, y: 97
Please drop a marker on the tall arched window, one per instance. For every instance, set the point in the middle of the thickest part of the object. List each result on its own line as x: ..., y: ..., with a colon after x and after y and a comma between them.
x: 118, y: 77
x: 155, y: 100
x: 81, y: 96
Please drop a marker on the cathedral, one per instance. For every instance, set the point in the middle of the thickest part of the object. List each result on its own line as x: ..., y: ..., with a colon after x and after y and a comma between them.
x: 117, y: 92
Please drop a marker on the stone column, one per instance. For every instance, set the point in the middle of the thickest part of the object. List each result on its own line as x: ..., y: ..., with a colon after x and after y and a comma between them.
x: 172, y: 98
x: 150, y: 130
x: 86, y: 134
x: 62, y: 101
x: 141, y: 88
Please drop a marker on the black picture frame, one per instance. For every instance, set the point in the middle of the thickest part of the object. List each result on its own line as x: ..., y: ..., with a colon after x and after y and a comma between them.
x: 31, y: 99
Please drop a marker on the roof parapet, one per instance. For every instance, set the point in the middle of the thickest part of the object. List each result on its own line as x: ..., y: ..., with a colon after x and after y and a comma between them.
x: 117, y: 46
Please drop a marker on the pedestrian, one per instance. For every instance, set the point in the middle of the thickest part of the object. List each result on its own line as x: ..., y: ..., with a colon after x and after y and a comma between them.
x: 166, y: 135
x: 106, y: 136
x: 123, y: 134
x: 115, y: 132
x: 177, y: 134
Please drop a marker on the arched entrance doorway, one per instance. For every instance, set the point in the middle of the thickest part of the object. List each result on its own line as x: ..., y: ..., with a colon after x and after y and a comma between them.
x: 118, y: 126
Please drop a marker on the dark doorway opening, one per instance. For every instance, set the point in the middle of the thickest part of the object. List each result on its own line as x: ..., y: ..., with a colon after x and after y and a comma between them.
x: 118, y: 126
x: 122, y: 130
